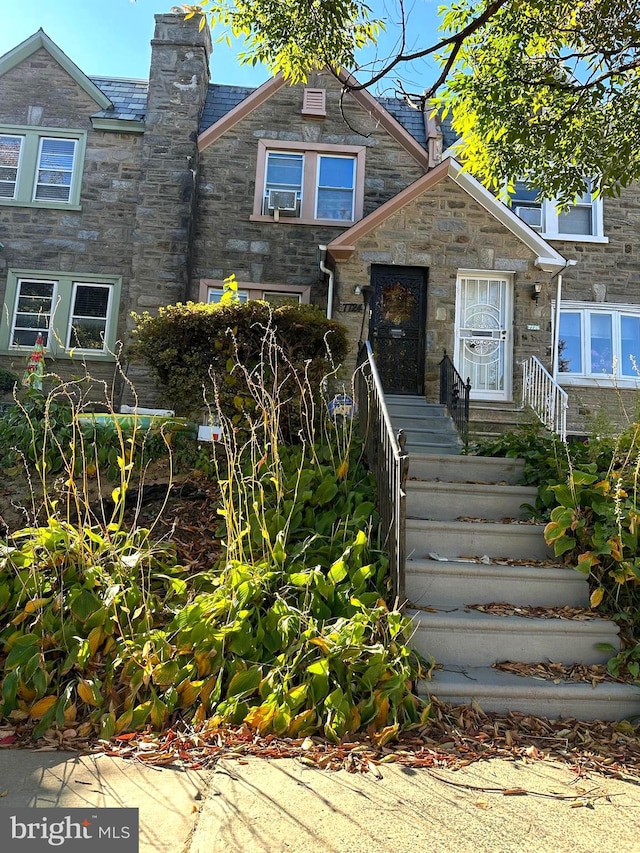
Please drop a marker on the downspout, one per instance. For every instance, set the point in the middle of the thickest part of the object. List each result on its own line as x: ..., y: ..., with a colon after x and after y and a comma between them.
x: 325, y: 269
x: 556, y: 324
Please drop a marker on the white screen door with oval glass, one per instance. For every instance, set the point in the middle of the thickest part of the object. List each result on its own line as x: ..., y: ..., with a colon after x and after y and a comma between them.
x: 483, y: 334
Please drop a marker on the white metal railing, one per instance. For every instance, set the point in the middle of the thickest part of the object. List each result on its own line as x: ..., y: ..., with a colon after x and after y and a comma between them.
x: 542, y: 393
x: 389, y: 463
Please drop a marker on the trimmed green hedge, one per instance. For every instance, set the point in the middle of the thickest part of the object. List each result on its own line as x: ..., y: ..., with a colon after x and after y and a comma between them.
x: 188, y: 346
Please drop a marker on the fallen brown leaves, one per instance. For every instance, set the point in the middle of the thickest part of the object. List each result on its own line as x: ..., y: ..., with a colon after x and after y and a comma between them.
x: 590, y: 674
x: 454, y: 738
x: 579, y: 614
x: 505, y: 520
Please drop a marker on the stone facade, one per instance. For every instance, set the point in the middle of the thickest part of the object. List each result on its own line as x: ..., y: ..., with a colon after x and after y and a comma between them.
x: 286, y: 252
x: 95, y: 239
x: 165, y: 212
x: 444, y: 231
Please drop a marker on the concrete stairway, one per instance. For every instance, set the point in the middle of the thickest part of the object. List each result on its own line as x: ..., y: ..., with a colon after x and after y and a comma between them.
x: 429, y: 429
x: 490, y: 419
x: 463, y: 515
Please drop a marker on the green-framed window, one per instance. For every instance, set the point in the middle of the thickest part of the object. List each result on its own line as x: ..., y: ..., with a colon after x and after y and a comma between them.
x: 41, y: 167
x: 74, y: 313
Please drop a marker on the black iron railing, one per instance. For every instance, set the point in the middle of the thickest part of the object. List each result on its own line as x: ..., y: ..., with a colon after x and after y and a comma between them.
x: 454, y: 394
x: 388, y: 462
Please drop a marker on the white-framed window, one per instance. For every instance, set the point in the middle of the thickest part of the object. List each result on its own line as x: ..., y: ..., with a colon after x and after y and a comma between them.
x: 525, y: 204
x: 10, y: 157
x: 33, y: 310
x: 277, y: 294
x: 336, y: 183
x: 73, y: 313
x: 581, y: 221
x: 309, y: 182
x: 283, y: 182
x: 54, y: 173
x: 277, y: 298
x: 90, y: 315
x: 599, y: 341
x: 214, y: 294
x: 41, y: 167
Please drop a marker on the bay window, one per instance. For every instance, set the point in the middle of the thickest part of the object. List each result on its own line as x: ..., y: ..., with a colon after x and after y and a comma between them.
x: 599, y: 341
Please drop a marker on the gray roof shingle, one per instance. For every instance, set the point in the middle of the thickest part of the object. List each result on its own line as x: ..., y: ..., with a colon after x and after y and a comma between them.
x: 220, y: 100
x: 129, y: 97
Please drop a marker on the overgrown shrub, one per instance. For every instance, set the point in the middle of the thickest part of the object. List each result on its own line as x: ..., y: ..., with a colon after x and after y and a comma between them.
x: 101, y: 630
x: 7, y: 381
x: 190, y: 347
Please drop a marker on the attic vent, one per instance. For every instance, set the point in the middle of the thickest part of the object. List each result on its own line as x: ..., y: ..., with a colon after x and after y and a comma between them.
x: 314, y: 103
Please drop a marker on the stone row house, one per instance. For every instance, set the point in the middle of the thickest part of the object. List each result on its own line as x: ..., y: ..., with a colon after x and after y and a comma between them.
x: 120, y: 195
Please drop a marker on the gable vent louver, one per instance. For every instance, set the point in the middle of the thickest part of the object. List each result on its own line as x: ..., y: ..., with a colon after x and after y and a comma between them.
x: 314, y: 103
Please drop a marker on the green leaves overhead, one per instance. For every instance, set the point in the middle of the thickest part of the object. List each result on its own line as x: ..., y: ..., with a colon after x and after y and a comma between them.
x: 546, y: 89
x: 296, y: 36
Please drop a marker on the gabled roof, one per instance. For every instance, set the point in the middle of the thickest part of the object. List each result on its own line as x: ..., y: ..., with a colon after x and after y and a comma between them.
x: 40, y: 40
x: 547, y: 258
x: 222, y: 98
x: 386, y: 112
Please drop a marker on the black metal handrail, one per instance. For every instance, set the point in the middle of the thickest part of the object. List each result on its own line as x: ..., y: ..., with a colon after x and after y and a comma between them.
x: 454, y: 394
x: 388, y: 462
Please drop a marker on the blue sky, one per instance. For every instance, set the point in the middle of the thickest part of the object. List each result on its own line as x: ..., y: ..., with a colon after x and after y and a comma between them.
x: 111, y: 37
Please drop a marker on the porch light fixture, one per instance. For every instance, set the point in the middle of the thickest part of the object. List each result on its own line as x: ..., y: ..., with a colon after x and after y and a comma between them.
x: 357, y: 290
x: 536, y: 290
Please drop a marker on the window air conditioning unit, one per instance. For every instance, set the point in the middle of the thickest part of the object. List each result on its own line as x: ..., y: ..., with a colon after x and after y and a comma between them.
x: 284, y: 200
x: 531, y: 215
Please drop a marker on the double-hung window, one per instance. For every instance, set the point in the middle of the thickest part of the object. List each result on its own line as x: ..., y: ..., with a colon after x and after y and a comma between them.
x: 55, y: 169
x: 335, y: 187
x: 41, y: 167
x: 73, y: 313
x: 599, y: 342
x: 525, y: 204
x: 309, y: 182
x: 582, y: 220
x: 283, y: 183
x: 10, y: 151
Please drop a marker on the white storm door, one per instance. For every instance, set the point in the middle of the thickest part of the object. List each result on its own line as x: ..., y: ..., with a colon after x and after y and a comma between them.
x: 483, y: 334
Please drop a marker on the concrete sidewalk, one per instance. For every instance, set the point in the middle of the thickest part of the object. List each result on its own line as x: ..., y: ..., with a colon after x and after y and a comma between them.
x: 258, y: 806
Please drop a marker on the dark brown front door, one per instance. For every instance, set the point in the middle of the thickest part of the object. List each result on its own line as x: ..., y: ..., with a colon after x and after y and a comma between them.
x: 397, y: 326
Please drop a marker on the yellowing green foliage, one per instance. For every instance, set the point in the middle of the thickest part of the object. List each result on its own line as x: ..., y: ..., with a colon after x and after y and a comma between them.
x: 546, y: 89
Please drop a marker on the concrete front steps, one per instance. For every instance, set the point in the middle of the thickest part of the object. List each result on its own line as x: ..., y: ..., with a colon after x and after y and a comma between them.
x: 428, y: 428
x: 485, y: 558
x: 490, y: 419
x: 501, y: 692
